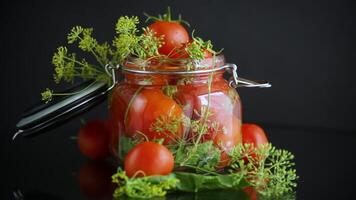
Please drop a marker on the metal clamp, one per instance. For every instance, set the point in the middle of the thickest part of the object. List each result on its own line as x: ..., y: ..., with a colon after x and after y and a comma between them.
x: 111, y: 71
x: 236, y: 81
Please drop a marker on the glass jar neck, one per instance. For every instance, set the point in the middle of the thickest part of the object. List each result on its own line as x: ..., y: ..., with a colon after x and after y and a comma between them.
x: 174, y: 79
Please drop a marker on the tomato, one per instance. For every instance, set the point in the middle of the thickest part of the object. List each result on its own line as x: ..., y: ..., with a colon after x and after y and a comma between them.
x: 207, y: 54
x: 93, y: 139
x: 227, y: 139
x: 251, y: 192
x: 253, y: 134
x: 155, y: 115
x: 150, y: 158
x: 94, y: 179
x: 174, y: 35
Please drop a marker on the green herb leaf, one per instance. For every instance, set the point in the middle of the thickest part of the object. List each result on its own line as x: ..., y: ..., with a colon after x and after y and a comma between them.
x: 127, y: 25
x: 204, y: 157
x: 47, y: 95
x: 126, y: 144
x: 270, y: 171
x: 191, y: 182
x: 143, y: 187
x: 197, y: 48
x: 127, y: 42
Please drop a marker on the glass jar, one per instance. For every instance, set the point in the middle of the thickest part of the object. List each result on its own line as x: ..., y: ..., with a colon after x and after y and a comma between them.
x: 172, y: 103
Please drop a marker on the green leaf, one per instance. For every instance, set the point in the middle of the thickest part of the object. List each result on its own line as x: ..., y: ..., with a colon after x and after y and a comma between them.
x: 126, y: 144
x: 191, y: 182
x: 202, y: 155
x: 143, y: 187
x: 153, y: 186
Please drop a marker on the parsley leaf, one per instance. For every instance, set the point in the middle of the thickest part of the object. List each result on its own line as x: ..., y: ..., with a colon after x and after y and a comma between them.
x: 143, y: 187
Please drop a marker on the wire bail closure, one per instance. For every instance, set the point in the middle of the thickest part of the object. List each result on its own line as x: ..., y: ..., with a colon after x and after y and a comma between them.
x: 111, y: 71
x: 235, y: 81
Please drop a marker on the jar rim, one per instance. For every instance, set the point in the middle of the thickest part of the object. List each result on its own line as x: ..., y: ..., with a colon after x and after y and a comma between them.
x: 178, y: 66
x: 176, y: 72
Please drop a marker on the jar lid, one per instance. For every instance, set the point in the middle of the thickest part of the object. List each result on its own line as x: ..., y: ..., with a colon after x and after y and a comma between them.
x: 45, y: 116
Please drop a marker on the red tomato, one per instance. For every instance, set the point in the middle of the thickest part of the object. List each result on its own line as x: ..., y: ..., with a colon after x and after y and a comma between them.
x: 120, y: 98
x: 228, y: 139
x: 150, y: 106
x: 150, y: 158
x: 174, y: 35
x: 95, y: 180
x: 93, y: 139
x: 250, y: 192
x: 253, y: 134
x: 207, y: 54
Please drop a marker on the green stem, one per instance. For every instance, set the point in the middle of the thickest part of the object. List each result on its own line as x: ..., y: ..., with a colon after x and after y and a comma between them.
x: 97, y: 58
x: 201, y: 169
x: 130, y: 103
x: 79, y: 63
x: 95, y: 55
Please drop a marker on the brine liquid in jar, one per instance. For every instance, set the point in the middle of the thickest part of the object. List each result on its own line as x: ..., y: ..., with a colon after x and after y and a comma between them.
x: 175, y: 108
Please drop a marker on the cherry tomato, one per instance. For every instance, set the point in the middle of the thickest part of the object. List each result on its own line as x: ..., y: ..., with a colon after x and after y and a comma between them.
x: 251, y: 192
x: 94, y: 180
x: 120, y: 97
x: 93, y: 139
x: 174, y: 35
x: 150, y: 158
x: 227, y: 139
x: 150, y: 113
x: 253, y: 134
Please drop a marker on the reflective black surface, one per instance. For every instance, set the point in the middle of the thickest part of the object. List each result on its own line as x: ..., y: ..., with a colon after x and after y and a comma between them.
x: 50, y: 166
x: 305, y: 48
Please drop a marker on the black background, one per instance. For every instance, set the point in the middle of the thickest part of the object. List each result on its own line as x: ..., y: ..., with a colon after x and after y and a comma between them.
x: 305, y: 48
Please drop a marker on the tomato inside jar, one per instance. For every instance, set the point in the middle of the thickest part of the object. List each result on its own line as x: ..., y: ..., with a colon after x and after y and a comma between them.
x: 173, y: 104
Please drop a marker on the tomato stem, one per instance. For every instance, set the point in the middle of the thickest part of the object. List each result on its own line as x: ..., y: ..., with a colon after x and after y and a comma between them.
x: 166, y: 17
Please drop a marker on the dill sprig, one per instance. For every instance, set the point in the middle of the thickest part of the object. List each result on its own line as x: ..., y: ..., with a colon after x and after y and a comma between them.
x: 197, y: 48
x: 270, y: 170
x: 89, y: 44
x: 47, y: 95
x: 127, y: 25
x: 167, y: 123
x: 127, y: 42
x: 144, y: 187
